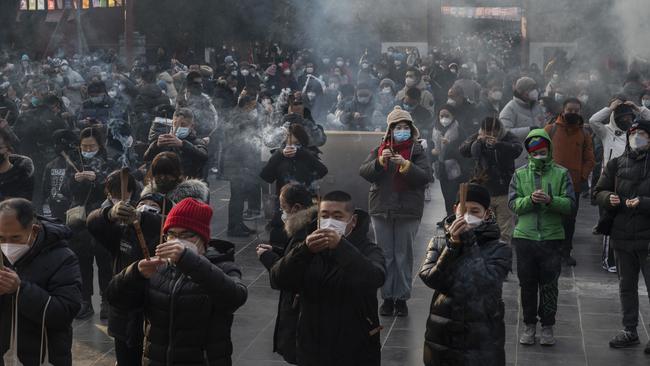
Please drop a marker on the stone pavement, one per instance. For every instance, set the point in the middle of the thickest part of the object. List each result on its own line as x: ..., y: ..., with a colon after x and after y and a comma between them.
x: 588, y: 315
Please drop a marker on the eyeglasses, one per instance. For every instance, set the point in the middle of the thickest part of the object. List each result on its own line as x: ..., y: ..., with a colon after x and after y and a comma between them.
x: 185, y: 235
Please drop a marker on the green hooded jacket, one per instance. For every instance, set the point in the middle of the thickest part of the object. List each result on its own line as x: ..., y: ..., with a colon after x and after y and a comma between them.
x: 536, y: 221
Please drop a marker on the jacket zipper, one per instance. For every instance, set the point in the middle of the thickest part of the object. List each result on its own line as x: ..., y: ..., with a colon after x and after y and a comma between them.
x: 171, y: 317
x: 538, y: 210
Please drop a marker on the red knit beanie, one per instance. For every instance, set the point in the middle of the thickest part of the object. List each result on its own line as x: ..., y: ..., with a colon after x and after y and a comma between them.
x: 192, y: 215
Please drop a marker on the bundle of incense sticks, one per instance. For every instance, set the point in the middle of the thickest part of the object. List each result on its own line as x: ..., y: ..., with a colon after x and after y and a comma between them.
x: 67, y: 160
x: 140, y: 235
x: 463, y: 198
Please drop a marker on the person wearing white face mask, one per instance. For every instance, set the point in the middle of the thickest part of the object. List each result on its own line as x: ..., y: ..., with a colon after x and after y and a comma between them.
x: 198, y: 277
x: 85, y: 190
x: 38, y: 269
x: 491, y: 100
x: 624, y: 192
x: 336, y: 272
x: 399, y: 171
x: 414, y: 80
x: 466, y: 264
x: 299, y: 219
x: 523, y: 113
x: 182, y: 140
x: 447, y: 137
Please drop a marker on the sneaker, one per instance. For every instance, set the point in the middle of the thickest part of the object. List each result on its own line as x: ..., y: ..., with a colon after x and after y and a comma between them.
x: 547, y: 338
x: 401, y: 309
x: 238, y: 233
x: 252, y: 215
x: 387, y: 308
x: 612, y: 269
x: 427, y: 194
x: 624, y: 339
x: 528, y: 336
x: 569, y: 261
x: 103, y: 311
x: 86, y: 311
x: 247, y: 229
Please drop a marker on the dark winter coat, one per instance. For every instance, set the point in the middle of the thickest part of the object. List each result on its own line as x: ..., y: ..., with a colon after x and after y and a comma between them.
x: 34, y: 129
x: 123, y: 245
x: 304, y: 168
x: 383, y: 200
x: 86, y: 192
x: 242, y: 158
x: 494, y: 165
x: 101, y: 113
x: 18, y: 181
x: 188, y: 307
x: 53, y: 177
x: 338, y: 323
x: 465, y: 325
x: 49, y: 269
x: 297, y: 227
x: 628, y: 176
x: 193, y: 154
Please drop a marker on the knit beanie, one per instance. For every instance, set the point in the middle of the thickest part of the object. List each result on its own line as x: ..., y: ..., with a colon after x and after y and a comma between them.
x: 477, y: 193
x: 525, y: 84
x: 398, y: 115
x: 536, y: 143
x: 192, y: 215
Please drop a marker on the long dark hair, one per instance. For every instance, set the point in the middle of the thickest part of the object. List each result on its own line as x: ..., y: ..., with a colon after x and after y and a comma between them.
x: 96, y: 134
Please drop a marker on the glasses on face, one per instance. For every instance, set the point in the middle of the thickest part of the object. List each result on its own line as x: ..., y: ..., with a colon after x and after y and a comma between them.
x: 185, y: 235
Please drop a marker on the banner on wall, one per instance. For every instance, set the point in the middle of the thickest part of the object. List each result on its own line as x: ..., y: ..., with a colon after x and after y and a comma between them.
x: 34, y: 5
x: 500, y: 13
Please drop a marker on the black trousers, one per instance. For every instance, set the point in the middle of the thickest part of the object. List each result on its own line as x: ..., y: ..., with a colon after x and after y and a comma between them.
x: 127, y: 356
x: 570, y: 229
x: 242, y: 190
x: 630, y: 259
x: 538, y: 269
x: 88, y: 251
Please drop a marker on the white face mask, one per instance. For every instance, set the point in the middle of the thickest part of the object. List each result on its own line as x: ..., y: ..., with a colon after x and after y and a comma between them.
x: 191, y: 246
x: 182, y: 132
x: 147, y: 208
x: 285, y: 216
x: 497, y: 95
x: 89, y: 154
x: 451, y: 102
x: 14, y: 252
x: 245, y: 73
x: 533, y: 95
x: 638, y: 142
x: 337, y: 225
x: 445, y: 121
x: 410, y: 82
x: 387, y: 90
x: 646, y: 103
x: 472, y: 221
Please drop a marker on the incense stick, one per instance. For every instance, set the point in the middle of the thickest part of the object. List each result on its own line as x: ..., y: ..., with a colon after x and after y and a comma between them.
x: 318, y: 211
x: 463, y: 198
x: 140, y: 236
x: 124, y: 184
x: 162, y: 221
x: 67, y: 159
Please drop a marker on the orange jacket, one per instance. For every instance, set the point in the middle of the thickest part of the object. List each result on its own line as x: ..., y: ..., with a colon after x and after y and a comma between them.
x: 572, y: 149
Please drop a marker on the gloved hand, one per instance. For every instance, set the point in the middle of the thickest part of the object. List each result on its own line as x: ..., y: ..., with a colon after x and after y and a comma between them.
x: 123, y: 212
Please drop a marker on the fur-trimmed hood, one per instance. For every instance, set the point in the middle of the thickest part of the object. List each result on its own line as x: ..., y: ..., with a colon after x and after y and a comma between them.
x: 299, y: 220
x: 189, y: 188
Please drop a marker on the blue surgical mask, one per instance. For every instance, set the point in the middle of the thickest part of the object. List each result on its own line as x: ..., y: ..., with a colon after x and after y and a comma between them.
x: 36, y: 101
x: 182, y: 132
x: 89, y: 154
x: 401, y: 135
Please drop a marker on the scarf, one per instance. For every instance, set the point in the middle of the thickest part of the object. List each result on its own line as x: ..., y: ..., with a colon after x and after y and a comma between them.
x: 403, y: 148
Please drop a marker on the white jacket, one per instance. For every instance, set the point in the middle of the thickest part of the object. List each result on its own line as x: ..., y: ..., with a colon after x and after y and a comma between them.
x: 518, y: 117
x: 614, y: 139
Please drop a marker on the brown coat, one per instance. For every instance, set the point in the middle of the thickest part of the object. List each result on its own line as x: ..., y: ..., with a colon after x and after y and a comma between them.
x: 572, y: 149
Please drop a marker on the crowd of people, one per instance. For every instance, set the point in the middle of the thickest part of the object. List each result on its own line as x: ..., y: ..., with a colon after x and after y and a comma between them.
x: 108, y: 164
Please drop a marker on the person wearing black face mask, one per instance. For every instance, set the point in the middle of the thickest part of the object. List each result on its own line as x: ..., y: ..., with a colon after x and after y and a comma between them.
x: 359, y: 117
x: 572, y: 149
x: 16, y: 171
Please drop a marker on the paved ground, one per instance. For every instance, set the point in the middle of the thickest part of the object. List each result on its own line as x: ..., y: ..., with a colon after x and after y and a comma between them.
x: 589, y: 311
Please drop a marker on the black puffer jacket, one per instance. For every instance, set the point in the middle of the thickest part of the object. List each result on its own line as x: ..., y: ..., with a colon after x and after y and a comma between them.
x: 384, y: 201
x: 121, y: 241
x: 18, y: 182
x: 465, y: 325
x: 494, y: 165
x: 48, y: 269
x: 304, y: 168
x: 188, y: 307
x: 628, y: 176
x: 193, y: 154
x: 297, y: 227
x: 338, y: 323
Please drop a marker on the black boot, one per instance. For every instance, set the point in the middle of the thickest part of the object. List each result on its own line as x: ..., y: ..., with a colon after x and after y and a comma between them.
x: 401, y: 309
x: 86, y: 311
x: 103, y: 310
x: 387, y: 308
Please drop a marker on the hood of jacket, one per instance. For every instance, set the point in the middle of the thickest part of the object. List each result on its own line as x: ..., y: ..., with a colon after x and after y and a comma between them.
x: 220, y: 251
x: 53, y: 234
x: 299, y: 220
x: 190, y: 188
x: 540, y: 133
x: 22, y: 163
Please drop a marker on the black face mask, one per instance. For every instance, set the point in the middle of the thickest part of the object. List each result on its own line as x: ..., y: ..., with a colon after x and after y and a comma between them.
x: 572, y: 118
x: 166, y: 185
